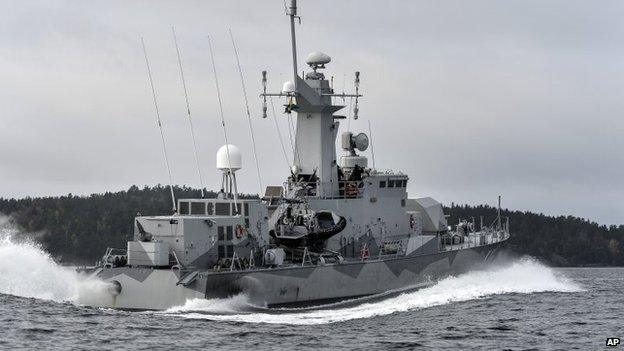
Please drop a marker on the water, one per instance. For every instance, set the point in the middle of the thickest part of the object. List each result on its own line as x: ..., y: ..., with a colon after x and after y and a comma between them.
x: 520, y: 305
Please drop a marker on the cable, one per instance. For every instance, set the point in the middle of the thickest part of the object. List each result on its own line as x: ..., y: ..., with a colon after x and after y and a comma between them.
x: 188, y: 111
x: 227, y: 145
x: 279, y: 133
x: 253, y: 139
x: 162, y: 135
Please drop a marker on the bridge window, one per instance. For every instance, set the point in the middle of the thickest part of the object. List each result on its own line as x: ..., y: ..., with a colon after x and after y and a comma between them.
x: 382, y: 184
x: 391, y: 184
x: 210, y: 208
x: 220, y: 233
x: 228, y: 232
x: 246, y: 209
x: 198, y: 208
x: 222, y: 208
x: 184, y: 207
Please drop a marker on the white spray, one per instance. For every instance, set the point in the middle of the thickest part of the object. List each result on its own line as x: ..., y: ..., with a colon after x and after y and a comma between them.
x: 27, y: 270
x: 524, y: 276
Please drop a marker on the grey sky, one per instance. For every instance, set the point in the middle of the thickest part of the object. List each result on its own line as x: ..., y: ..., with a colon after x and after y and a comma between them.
x: 470, y: 98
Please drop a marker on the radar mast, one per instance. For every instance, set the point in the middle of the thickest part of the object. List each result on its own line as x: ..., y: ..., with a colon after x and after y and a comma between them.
x: 310, y: 98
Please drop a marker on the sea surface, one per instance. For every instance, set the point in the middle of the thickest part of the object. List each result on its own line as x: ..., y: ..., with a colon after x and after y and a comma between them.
x: 520, y: 304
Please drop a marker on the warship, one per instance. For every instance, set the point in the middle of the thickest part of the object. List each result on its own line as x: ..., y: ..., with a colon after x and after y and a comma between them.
x: 336, y: 229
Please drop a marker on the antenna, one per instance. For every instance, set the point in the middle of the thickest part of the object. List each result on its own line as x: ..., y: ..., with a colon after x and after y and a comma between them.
x: 253, y: 139
x: 264, y: 86
x: 292, y: 12
x: 370, y: 134
x: 227, y: 144
x: 356, y: 109
x: 162, y: 135
x: 188, y: 111
x: 349, y: 116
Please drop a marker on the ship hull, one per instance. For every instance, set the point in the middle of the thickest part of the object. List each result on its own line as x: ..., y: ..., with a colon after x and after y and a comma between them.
x: 160, y: 289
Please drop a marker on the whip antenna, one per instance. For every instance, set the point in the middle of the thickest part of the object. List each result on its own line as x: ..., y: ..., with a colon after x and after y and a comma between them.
x: 227, y: 145
x: 162, y: 135
x: 188, y: 111
x: 370, y: 133
x: 253, y: 139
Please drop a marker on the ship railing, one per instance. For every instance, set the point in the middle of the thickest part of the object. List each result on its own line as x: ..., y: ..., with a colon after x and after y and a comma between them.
x: 347, y: 189
x: 453, y: 241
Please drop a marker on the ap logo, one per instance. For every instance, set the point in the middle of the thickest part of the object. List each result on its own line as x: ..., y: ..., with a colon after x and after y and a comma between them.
x: 613, y: 341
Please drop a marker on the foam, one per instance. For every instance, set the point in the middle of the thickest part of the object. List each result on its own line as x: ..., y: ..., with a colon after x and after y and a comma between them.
x: 524, y: 276
x: 27, y: 270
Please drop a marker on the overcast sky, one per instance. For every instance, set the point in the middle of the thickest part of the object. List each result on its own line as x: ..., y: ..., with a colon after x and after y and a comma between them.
x: 470, y: 98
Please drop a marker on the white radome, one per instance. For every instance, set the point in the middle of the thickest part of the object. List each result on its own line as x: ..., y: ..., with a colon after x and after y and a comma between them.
x: 318, y: 58
x: 234, y: 162
x: 288, y: 87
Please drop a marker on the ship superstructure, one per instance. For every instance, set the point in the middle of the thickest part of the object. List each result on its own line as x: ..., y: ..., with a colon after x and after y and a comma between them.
x: 336, y: 229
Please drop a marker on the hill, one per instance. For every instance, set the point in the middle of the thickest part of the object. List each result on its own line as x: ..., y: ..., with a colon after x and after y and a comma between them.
x: 78, y: 229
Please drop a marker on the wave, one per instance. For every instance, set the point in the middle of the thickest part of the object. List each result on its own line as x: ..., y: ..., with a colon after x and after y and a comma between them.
x: 523, y: 276
x: 27, y: 270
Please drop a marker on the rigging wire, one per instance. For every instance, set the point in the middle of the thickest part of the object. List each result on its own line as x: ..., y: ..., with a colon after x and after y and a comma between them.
x: 293, y: 139
x: 227, y: 145
x: 188, y: 111
x: 349, y: 115
x: 344, y: 82
x: 162, y: 135
x: 253, y: 139
x: 370, y: 134
x: 279, y: 133
x: 291, y: 132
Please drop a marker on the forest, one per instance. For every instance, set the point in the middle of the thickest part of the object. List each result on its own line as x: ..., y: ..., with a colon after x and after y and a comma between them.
x: 78, y: 229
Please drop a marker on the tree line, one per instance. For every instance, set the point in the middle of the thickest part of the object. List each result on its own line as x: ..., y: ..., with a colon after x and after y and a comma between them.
x: 78, y: 229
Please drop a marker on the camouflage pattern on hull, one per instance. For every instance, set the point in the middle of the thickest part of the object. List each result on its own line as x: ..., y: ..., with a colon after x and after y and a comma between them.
x: 144, y: 288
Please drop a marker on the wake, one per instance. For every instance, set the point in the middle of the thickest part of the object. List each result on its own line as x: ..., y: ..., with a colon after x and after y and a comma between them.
x: 523, y: 276
x: 26, y: 270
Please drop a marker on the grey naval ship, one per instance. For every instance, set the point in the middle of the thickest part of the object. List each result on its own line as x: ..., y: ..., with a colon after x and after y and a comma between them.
x: 336, y: 229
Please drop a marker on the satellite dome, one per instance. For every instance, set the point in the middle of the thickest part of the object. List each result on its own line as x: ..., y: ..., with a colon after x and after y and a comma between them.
x: 318, y: 59
x: 288, y: 87
x: 234, y: 162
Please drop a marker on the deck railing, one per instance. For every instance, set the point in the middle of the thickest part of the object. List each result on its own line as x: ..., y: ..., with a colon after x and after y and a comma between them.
x: 347, y: 189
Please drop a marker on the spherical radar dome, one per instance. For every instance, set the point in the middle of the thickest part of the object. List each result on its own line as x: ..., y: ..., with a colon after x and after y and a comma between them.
x: 235, y: 161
